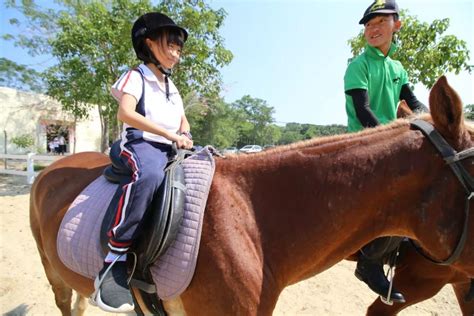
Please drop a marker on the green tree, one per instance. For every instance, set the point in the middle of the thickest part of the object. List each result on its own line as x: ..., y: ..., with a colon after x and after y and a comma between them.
x: 91, y: 42
x: 271, y: 135
x: 217, y: 126
x: 291, y: 133
x: 20, y: 77
x: 423, y: 50
x: 469, y: 112
x: 289, y: 136
x: 24, y: 141
x: 256, y: 116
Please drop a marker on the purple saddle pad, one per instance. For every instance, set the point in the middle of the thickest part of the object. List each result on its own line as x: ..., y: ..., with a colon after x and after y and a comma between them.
x: 78, y: 240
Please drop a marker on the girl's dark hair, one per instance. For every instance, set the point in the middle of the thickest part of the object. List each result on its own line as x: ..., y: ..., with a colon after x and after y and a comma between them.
x: 172, y: 35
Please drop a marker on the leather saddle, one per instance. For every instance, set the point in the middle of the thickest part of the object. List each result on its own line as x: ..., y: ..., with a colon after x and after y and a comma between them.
x: 159, y: 226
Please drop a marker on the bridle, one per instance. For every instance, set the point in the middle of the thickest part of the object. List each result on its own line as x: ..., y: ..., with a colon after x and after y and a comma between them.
x: 453, y: 159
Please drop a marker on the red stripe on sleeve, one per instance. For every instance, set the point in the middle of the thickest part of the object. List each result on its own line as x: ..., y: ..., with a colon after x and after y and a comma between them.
x: 125, y: 81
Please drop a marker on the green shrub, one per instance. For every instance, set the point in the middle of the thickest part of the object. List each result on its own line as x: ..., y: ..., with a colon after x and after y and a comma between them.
x: 36, y: 167
x: 23, y: 141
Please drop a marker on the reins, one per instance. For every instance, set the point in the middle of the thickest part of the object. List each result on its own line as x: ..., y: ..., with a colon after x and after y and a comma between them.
x: 453, y: 159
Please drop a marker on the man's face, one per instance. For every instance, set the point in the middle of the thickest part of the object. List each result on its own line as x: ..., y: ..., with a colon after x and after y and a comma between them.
x: 379, y: 30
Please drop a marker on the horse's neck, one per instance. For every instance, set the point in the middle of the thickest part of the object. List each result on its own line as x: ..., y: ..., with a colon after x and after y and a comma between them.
x: 318, y: 205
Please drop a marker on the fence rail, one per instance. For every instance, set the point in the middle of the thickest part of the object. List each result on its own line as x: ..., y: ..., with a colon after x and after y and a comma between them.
x: 30, y: 158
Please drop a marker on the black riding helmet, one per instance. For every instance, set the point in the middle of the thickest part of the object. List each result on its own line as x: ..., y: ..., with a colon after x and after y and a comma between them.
x: 146, y: 27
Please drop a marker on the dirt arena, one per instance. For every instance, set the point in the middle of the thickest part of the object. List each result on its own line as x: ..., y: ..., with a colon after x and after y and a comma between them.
x: 24, y: 289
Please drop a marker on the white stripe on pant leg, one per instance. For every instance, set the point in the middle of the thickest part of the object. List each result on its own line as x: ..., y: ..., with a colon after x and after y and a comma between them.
x: 124, y: 207
x: 116, y: 249
x: 127, y: 192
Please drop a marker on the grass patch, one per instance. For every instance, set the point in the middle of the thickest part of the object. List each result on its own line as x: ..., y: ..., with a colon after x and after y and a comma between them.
x: 36, y: 167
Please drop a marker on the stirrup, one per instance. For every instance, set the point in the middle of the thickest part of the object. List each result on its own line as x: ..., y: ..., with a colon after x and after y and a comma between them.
x: 98, y: 282
x: 390, y: 274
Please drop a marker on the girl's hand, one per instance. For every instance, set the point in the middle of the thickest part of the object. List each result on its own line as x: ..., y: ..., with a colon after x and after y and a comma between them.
x: 183, y: 142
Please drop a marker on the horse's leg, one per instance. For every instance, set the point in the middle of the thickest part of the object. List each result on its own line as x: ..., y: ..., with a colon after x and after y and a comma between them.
x: 174, y: 307
x: 80, y: 305
x: 62, y: 292
x: 461, y: 289
x: 415, y: 290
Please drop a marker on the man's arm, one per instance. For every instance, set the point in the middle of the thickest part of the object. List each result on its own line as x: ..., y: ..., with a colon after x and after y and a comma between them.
x: 413, y: 103
x: 360, y: 99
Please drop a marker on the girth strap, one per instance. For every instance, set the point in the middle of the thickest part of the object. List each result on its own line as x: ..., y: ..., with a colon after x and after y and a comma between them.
x: 149, y: 288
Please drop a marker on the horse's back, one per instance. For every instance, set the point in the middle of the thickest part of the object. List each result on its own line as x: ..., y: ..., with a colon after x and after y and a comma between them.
x: 58, y: 184
x: 53, y: 191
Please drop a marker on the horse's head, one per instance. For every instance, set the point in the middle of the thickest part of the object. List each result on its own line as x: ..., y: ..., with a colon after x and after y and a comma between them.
x: 447, y: 114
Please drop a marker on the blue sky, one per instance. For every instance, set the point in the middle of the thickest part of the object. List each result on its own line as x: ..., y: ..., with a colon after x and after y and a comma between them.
x: 293, y: 53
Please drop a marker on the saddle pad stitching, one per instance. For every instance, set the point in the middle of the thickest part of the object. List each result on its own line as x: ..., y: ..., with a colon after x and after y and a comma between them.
x: 167, y: 261
x: 82, y: 253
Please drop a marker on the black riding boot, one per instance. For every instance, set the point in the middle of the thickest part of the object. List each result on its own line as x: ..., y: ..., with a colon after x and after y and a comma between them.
x: 370, y: 267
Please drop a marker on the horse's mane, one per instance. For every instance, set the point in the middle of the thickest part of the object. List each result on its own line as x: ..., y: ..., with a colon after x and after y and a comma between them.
x: 344, y: 139
x: 324, y: 140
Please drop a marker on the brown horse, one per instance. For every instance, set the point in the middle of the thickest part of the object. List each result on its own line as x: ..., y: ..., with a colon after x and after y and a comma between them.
x: 278, y: 217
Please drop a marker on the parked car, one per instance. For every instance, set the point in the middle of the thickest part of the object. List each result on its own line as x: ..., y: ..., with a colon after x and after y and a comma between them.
x: 268, y: 147
x: 250, y: 149
x: 230, y: 150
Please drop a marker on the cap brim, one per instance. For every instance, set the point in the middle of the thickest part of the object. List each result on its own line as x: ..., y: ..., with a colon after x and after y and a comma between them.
x: 366, y: 18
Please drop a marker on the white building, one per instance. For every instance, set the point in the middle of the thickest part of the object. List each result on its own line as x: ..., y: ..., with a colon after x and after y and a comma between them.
x: 39, y: 116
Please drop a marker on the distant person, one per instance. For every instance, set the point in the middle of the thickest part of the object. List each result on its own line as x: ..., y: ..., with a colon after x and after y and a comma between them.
x: 56, y: 145
x: 62, y: 144
x: 152, y: 113
x: 51, y: 147
x: 374, y: 84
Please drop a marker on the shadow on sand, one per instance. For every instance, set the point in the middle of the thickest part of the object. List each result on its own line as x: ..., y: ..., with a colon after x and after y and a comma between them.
x: 11, y: 185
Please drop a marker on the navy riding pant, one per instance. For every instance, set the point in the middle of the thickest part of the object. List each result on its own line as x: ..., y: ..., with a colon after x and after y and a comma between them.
x: 146, y: 162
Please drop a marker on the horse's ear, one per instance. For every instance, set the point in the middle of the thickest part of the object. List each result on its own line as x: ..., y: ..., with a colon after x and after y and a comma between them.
x: 446, y: 109
x: 403, y: 110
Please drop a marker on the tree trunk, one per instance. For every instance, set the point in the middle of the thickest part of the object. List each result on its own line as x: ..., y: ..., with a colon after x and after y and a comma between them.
x: 104, y: 141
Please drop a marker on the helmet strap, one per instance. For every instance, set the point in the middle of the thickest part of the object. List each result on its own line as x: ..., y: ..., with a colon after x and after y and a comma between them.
x: 167, y: 73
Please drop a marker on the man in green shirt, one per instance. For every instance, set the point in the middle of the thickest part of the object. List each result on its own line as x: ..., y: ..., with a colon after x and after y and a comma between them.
x: 382, y: 78
x: 374, y: 84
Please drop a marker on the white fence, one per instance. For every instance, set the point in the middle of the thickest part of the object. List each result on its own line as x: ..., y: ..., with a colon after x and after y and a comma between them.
x: 30, y: 159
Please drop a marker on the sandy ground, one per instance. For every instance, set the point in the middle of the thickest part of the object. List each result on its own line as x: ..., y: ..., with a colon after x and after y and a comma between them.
x: 24, y: 289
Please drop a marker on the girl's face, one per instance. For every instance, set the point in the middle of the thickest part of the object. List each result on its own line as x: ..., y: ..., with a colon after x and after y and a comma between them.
x: 167, y: 53
x: 379, y: 31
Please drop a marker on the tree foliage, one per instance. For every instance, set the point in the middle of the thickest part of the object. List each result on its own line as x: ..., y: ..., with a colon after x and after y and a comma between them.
x: 247, y: 121
x: 255, y: 117
x: 469, y: 112
x: 20, y: 77
x: 293, y: 132
x: 23, y: 141
x: 215, y: 123
x: 423, y: 50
